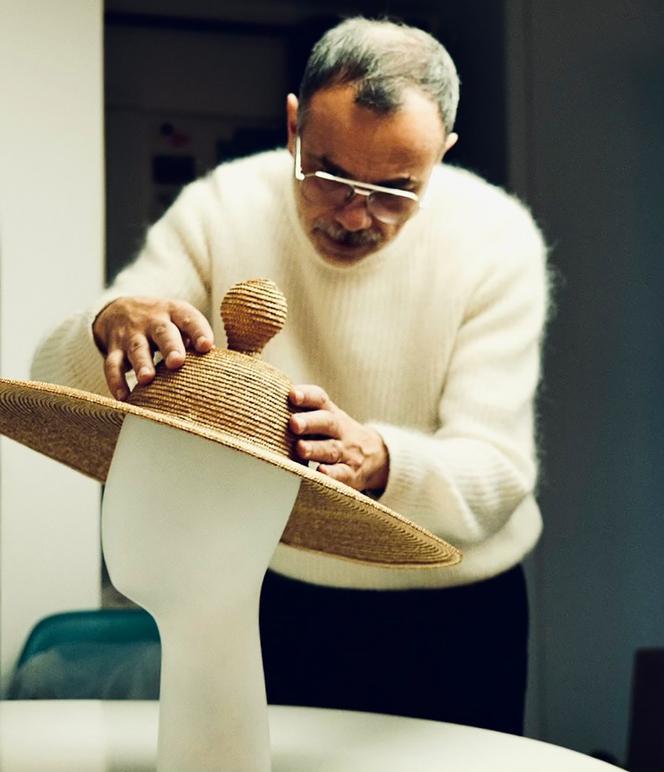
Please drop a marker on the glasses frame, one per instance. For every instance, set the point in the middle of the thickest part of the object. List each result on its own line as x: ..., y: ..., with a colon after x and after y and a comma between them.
x: 358, y: 188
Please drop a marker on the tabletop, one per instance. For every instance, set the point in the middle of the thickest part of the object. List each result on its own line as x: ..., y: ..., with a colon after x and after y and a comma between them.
x: 121, y: 736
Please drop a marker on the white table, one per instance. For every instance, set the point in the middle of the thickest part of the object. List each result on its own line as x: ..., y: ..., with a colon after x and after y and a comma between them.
x: 95, y: 736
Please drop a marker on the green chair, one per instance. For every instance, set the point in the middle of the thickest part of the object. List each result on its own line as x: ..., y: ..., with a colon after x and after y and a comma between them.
x: 95, y: 626
x: 96, y: 654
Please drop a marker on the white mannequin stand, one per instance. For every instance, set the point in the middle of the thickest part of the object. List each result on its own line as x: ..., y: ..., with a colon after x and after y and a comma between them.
x: 188, y: 531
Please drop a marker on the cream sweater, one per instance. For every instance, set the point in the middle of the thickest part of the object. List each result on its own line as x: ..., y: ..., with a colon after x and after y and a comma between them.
x: 434, y: 340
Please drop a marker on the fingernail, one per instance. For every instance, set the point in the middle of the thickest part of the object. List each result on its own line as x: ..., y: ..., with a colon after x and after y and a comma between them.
x: 296, y: 424
x: 120, y: 394
x: 298, y: 396
x: 144, y: 372
x: 171, y: 358
x: 202, y: 342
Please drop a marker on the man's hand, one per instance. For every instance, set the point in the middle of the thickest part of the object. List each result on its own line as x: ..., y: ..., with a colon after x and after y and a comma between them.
x: 129, y: 330
x: 346, y: 450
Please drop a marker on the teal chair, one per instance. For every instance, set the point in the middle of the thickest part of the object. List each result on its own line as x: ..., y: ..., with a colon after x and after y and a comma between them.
x: 96, y: 654
x: 95, y: 626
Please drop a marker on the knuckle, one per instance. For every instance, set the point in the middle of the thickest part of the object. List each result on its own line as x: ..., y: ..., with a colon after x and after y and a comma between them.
x: 357, y: 456
x: 136, y: 343
x: 115, y: 333
x: 158, y: 329
x: 180, y: 307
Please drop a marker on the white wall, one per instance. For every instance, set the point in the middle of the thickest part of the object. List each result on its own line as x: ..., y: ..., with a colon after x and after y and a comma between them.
x: 51, y: 262
x: 587, y: 146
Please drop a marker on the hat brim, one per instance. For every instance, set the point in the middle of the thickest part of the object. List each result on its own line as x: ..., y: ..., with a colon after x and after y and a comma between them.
x: 80, y: 429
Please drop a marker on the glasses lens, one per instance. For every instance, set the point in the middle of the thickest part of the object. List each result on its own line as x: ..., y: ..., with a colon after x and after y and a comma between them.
x: 389, y: 208
x: 325, y: 192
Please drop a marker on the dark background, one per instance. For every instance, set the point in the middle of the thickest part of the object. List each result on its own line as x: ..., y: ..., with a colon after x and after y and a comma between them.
x: 483, y: 147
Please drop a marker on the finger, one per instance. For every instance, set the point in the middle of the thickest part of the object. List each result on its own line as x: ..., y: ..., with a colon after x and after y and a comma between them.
x: 193, y: 325
x: 139, y: 356
x: 309, y: 396
x: 114, y: 372
x: 168, y: 339
x: 323, y: 451
x: 322, y: 422
x: 340, y: 472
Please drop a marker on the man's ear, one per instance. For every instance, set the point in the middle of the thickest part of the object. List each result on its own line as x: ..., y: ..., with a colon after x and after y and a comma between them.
x: 291, y: 121
x: 450, y: 141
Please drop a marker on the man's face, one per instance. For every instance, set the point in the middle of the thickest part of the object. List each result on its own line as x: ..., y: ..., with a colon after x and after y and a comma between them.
x: 342, y: 138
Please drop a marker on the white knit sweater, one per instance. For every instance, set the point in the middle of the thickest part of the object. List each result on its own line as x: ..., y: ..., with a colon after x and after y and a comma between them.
x: 434, y: 340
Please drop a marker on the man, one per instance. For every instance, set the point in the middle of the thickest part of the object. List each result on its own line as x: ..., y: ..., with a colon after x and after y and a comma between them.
x: 417, y: 299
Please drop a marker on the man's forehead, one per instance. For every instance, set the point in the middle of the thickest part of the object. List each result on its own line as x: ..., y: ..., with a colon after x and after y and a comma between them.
x: 341, y: 101
x: 355, y: 139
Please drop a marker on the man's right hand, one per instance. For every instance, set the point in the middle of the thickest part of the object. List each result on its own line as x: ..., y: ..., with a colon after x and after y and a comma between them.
x: 129, y: 330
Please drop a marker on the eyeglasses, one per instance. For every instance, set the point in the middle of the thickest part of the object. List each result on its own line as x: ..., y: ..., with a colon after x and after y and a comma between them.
x: 389, y: 205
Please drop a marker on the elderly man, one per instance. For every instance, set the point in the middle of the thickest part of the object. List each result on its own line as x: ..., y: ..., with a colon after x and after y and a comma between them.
x: 417, y: 300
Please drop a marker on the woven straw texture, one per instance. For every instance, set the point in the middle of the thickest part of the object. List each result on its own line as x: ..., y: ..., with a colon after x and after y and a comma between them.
x: 239, y: 401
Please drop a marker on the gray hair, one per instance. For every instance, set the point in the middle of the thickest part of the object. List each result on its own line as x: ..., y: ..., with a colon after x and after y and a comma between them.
x: 382, y: 59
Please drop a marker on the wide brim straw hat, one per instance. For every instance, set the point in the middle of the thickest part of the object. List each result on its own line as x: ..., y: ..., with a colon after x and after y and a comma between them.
x: 231, y: 397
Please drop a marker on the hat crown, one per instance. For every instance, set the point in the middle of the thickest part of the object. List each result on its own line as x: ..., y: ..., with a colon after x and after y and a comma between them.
x: 253, y: 312
x: 232, y: 390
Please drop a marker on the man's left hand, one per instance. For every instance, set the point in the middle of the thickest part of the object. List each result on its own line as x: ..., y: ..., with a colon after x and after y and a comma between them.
x: 345, y: 449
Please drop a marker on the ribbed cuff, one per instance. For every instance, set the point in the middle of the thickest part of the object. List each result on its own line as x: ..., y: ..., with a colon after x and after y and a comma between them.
x: 461, y: 489
x: 409, y: 480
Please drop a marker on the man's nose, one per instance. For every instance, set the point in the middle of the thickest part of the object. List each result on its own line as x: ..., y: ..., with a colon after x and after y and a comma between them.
x: 354, y: 216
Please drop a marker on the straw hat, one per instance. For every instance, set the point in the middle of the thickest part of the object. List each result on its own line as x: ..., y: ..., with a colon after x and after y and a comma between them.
x: 234, y: 398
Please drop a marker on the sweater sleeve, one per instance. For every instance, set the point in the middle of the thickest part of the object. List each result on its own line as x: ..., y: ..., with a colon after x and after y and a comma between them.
x: 173, y: 263
x: 465, y: 480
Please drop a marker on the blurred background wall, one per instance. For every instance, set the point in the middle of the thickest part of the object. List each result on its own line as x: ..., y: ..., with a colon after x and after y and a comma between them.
x: 188, y: 85
x: 592, y: 168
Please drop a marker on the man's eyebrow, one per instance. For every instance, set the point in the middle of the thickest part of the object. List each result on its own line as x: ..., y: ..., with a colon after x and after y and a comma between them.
x: 398, y: 182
